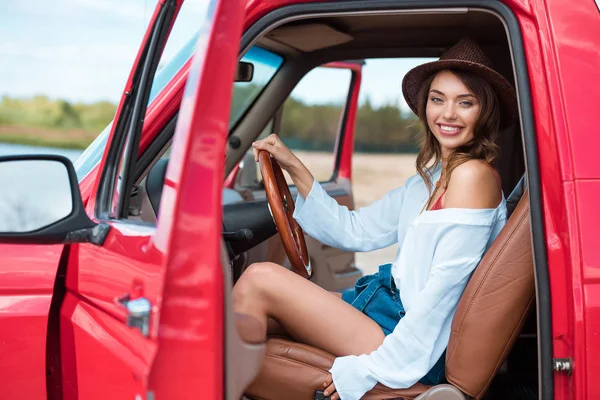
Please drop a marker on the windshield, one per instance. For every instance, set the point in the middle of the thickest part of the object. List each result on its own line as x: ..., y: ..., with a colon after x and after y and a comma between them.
x: 266, y: 64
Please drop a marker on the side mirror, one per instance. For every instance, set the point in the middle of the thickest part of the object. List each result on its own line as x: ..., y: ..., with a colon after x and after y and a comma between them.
x: 245, y: 72
x: 40, y: 202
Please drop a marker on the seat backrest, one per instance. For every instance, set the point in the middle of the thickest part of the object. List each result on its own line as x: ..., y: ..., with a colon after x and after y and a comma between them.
x: 493, y: 307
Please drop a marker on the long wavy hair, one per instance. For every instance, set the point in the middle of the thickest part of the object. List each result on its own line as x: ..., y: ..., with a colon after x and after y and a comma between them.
x: 481, y: 147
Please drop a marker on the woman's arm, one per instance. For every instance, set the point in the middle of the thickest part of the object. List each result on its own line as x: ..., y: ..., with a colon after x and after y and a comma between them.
x: 369, y: 228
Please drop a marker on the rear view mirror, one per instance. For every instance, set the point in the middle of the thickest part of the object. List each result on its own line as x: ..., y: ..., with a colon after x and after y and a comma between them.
x: 40, y: 201
x: 245, y: 72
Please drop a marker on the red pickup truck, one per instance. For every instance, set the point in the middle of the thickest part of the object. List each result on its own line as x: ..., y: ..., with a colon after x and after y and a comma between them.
x: 116, y: 278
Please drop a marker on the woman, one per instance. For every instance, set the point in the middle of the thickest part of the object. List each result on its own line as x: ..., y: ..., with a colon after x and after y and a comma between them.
x: 394, y: 326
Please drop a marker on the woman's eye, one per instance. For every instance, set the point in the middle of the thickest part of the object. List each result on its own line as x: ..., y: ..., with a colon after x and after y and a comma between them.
x: 466, y: 103
x: 436, y: 100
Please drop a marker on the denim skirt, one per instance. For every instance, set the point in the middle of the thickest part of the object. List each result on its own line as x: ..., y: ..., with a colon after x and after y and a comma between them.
x: 377, y: 297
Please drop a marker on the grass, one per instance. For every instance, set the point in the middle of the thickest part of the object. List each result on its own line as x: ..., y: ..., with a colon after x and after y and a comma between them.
x: 63, y: 143
x: 32, y: 136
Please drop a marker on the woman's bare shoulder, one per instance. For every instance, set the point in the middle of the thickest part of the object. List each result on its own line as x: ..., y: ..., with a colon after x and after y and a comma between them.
x: 473, y: 184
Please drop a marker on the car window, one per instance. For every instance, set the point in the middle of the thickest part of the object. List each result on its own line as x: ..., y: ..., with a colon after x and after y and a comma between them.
x: 311, y: 119
x: 310, y: 123
x: 180, y: 46
x: 265, y: 63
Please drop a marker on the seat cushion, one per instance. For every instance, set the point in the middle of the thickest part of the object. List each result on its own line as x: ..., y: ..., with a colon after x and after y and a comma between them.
x: 295, y: 371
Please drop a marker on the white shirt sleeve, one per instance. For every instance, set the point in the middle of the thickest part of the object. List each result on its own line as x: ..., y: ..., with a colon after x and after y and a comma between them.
x: 368, y: 228
x: 453, y: 249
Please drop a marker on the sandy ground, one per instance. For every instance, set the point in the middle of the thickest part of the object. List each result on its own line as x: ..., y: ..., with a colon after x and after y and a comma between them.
x: 373, y: 175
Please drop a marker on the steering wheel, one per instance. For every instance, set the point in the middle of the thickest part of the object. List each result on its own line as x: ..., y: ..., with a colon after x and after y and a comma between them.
x: 281, y: 205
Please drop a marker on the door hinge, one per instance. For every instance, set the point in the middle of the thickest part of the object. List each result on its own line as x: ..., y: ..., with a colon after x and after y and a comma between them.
x: 562, y: 365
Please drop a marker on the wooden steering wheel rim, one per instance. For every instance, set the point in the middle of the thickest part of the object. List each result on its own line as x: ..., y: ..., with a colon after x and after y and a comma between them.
x: 281, y: 205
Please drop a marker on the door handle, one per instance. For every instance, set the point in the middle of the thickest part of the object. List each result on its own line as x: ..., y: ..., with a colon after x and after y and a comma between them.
x: 138, y: 313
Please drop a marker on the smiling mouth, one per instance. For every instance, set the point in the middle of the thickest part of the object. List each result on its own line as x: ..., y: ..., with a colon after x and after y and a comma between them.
x: 449, y: 129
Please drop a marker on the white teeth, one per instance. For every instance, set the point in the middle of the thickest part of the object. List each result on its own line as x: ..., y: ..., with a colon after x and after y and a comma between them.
x: 446, y: 128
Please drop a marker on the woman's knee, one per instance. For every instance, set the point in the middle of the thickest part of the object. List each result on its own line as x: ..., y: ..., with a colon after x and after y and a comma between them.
x: 257, y: 280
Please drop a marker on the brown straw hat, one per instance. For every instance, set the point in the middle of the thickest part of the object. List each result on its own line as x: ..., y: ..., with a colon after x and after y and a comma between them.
x: 464, y: 56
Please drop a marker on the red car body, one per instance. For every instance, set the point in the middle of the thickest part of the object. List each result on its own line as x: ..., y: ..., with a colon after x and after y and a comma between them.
x: 183, y: 355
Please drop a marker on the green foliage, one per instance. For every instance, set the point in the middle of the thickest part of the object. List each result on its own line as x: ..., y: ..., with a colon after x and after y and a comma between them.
x: 304, y: 126
x: 381, y: 130
x: 41, y: 112
x: 385, y: 129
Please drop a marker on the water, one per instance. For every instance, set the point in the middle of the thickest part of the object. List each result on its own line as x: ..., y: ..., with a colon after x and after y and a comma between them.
x: 10, y: 149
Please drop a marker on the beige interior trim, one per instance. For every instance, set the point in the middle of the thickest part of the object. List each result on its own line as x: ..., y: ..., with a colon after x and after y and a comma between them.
x: 416, y: 11
x: 279, y: 47
x: 309, y: 37
x: 242, y: 360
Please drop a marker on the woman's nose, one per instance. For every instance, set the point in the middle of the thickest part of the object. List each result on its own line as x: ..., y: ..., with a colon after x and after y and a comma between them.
x: 449, y: 111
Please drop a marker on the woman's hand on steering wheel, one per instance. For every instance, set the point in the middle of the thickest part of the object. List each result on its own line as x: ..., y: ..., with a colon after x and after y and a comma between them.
x: 278, y: 150
x: 273, y: 145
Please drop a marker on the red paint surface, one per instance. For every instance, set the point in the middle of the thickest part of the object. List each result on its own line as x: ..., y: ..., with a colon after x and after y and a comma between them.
x: 189, y: 362
x: 561, y: 44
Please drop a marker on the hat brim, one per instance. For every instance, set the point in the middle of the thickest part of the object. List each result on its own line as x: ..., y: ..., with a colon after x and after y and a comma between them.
x: 414, y: 79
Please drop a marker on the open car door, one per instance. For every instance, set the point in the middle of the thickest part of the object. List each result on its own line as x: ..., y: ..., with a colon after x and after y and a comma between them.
x: 141, y: 314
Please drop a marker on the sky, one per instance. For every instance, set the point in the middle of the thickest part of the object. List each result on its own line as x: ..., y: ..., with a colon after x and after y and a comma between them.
x: 83, y: 50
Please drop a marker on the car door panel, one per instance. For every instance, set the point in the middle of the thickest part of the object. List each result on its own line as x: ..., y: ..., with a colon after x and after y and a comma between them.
x: 121, y: 363
x: 102, y: 353
x: 128, y: 264
x: 27, y: 277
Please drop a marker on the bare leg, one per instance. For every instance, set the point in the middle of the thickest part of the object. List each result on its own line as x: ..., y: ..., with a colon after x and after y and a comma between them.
x: 274, y: 328
x: 307, y: 312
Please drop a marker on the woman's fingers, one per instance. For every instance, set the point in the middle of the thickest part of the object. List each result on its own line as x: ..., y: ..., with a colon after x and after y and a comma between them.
x: 330, y: 388
x: 257, y: 146
x: 275, y: 147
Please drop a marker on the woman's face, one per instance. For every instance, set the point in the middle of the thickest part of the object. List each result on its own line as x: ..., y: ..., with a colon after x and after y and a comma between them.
x: 451, y: 111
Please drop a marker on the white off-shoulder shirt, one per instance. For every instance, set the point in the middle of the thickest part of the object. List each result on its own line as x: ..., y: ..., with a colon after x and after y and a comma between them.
x: 438, y: 251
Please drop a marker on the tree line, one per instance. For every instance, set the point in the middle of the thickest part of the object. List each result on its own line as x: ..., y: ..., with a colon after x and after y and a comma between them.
x: 304, y: 126
x: 384, y: 129
x: 43, y: 112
